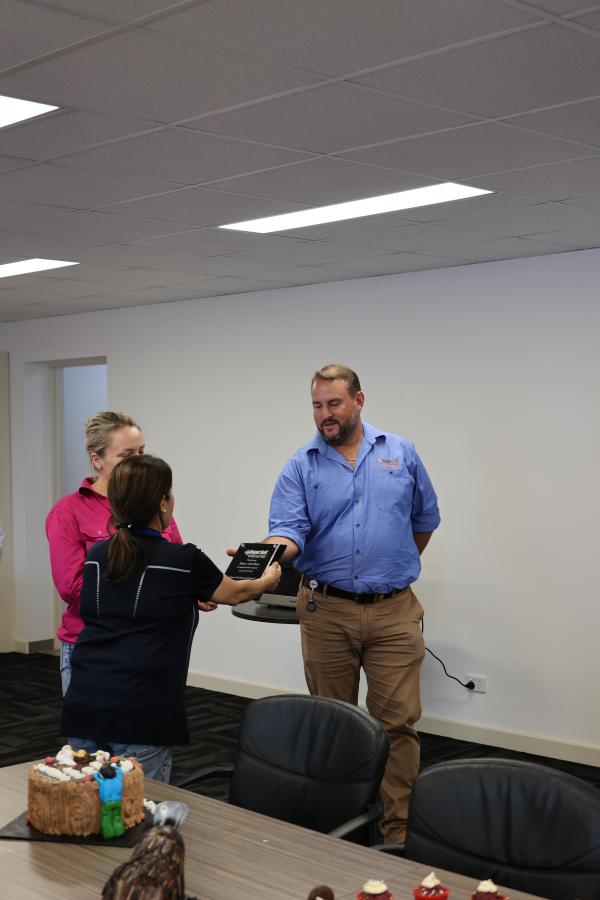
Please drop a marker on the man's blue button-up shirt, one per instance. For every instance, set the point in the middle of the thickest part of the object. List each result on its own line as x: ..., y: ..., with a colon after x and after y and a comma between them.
x: 354, y: 527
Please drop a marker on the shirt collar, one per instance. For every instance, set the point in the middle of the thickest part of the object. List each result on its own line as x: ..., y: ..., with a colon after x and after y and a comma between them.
x: 86, y: 489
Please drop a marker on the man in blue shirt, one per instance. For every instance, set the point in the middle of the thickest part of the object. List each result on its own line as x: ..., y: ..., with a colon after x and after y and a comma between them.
x: 356, y: 509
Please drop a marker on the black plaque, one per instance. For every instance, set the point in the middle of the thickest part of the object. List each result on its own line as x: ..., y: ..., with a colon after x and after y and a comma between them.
x: 252, y: 560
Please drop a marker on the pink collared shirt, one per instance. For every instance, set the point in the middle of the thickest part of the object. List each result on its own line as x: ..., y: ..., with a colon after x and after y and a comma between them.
x: 73, y: 524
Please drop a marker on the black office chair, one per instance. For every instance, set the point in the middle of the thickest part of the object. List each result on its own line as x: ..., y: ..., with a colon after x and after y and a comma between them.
x: 311, y: 761
x: 524, y: 825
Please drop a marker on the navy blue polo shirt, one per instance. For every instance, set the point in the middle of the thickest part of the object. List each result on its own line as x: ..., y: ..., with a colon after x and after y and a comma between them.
x: 130, y: 662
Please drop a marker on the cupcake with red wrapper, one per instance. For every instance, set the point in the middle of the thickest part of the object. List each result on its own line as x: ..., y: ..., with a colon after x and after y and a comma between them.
x: 374, y: 890
x: 431, y: 888
x: 487, y: 890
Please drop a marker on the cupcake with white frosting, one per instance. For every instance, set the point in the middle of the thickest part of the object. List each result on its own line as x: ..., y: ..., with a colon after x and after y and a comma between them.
x: 431, y: 888
x: 487, y: 890
x: 374, y: 890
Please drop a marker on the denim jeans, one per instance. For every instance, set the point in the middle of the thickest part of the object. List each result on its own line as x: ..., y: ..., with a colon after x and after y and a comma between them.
x: 65, y: 665
x: 157, y: 761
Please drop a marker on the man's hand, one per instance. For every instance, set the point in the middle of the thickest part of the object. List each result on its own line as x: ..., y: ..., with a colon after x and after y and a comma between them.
x: 206, y: 605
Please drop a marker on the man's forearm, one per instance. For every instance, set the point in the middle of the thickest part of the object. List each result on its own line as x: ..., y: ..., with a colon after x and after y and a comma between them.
x: 421, y: 539
x: 291, y: 550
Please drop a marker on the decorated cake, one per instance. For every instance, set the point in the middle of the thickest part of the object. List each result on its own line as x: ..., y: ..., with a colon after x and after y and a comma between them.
x: 78, y: 793
x: 430, y: 887
x: 487, y: 890
x: 374, y: 889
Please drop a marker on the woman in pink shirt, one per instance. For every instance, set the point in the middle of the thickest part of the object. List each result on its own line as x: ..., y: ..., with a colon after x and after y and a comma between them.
x: 81, y: 519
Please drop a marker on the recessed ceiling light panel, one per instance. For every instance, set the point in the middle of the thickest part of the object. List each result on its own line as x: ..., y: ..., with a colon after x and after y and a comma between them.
x: 355, y: 209
x: 13, y: 110
x: 25, y: 266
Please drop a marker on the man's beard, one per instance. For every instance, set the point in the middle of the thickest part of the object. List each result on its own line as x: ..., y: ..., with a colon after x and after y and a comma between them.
x: 345, y: 430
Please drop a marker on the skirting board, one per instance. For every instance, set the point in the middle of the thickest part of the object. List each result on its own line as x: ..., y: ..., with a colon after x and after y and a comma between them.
x: 47, y: 646
x: 521, y: 741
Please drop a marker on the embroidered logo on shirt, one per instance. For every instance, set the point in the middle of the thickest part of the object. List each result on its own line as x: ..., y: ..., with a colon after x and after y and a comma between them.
x: 392, y: 463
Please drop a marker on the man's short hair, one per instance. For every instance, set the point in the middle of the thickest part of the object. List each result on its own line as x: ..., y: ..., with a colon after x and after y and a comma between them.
x: 335, y: 372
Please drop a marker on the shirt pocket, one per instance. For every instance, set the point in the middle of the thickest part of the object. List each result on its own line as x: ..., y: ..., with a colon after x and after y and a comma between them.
x: 91, y: 536
x: 394, y: 490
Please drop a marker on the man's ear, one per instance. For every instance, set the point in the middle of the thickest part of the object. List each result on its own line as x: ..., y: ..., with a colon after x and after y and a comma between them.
x: 359, y: 399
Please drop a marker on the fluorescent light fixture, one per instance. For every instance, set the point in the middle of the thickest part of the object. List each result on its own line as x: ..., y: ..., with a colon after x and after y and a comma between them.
x: 13, y: 110
x: 355, y: 209
x: 32, y: 265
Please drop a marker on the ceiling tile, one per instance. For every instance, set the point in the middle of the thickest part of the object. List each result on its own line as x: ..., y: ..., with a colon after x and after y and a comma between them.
x: 323, y: 181
x: 28, y: 31
x: 213, y: 242
x: 149, y: 76
x: 52, y: 184
x: 591, y: 21
x: 9, y: 163
x: 406, y: 238
x: 577, y: 121
x: 574, y: 238
x: 501, y: 248
x: 313, y: 253
x: 394, y: 264
x: 64, y: 132
x: 181, y: 155
x: 330, y: 119
x: 507, y: 75
x: 232, y: 264
x: 559, y: 7
x: 560, y: 181
x: 543, y: 217
x: 17, y: 213
x: 339, y: 36
x: 90, y: 228
x: 109, y: 10
x: 474, y: 150
x: 592, y: 202
x: 201, y: 206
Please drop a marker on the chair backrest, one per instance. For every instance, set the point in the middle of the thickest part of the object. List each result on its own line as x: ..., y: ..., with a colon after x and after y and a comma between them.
x: 524, y: 825
x: 308, y: 760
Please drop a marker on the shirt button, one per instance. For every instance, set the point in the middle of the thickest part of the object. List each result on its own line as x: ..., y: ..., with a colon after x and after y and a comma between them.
x: 357, y: 501
x: 357, y: 552
x: 357, y: 525
x: 356, y: 577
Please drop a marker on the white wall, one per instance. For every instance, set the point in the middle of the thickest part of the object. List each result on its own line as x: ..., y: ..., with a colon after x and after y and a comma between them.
x: 492, y: 370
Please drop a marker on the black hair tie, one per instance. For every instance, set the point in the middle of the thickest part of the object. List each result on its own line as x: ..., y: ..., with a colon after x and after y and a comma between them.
x: 125, y: 525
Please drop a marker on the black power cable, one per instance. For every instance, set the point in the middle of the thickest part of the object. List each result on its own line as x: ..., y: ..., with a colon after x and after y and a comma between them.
x: 469, y: 685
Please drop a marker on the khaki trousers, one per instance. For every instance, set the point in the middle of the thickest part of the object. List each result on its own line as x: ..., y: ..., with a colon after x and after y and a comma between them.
x: 385, y: 639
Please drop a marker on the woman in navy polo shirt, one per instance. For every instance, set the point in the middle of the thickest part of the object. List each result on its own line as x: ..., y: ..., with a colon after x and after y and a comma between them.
x: 139, y: 608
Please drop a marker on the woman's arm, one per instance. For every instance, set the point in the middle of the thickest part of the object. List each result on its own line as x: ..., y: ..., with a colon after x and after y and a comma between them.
x: 232, y: 592
x: 67, y: 554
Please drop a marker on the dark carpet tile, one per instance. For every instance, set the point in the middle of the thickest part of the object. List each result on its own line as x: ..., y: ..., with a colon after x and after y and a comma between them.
x: 30, y: 708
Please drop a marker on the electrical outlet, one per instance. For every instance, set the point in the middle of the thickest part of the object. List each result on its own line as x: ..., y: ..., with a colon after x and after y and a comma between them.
x: 480, y: 682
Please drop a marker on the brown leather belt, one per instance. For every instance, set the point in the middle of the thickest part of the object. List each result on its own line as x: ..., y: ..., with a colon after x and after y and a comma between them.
x: 330, y: 590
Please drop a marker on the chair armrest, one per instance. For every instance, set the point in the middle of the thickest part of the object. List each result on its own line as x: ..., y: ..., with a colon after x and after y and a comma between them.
x: 201, y: 774
x: 393, y: 849
x: 371, y: 814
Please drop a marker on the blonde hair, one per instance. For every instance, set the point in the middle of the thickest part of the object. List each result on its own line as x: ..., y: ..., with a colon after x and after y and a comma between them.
x: 335, y: 372
x: 100, y: 428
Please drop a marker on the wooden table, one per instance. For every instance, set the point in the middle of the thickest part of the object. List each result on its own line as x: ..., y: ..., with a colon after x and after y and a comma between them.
x: 231, y: 854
